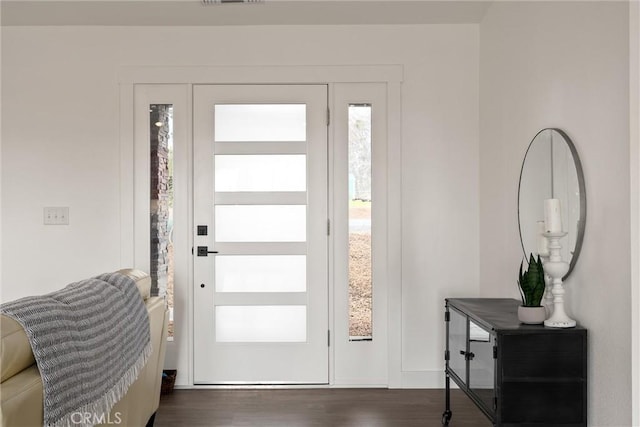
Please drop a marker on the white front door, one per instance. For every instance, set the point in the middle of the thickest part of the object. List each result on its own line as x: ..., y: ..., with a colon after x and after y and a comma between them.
x: 260, y: 234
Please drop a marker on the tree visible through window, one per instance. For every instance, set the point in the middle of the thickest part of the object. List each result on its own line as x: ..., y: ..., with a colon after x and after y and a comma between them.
x: 360, y: 277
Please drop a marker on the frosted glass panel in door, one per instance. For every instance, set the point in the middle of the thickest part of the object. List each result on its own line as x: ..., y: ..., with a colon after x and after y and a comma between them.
x: 260, y: 122
x: 261, y: 172
x: 261, y: 323
x: 261, y: 223
x: 261, y: 273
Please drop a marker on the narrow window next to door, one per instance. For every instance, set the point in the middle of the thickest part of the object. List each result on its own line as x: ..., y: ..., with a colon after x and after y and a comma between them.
x: 360, y: 277
x: 161, y: 203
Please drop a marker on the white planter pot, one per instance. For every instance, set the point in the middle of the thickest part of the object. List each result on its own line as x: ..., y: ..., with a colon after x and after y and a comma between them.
x: 532, y: 315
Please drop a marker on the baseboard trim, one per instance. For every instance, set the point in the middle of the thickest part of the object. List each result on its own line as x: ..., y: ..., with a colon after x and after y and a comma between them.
x: 433, y: 379
x: 422, y: 379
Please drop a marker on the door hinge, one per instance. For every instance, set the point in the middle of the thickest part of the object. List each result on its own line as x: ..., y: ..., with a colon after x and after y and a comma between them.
x: 328, y: 116
x: 446, y: 316
x: 328, y: 227
x: 495, y: 404
x: 446, y: 355
x: 328, y: 338
x: 495, y: 351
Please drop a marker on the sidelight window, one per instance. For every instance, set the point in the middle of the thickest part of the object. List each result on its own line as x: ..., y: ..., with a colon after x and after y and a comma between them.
x: 161, y: 203
x: 360, y: 201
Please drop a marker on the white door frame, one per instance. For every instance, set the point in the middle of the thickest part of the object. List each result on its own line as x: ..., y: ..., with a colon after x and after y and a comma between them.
x: 360, y: 363
x: 132, y: 219
x: 139, y: 230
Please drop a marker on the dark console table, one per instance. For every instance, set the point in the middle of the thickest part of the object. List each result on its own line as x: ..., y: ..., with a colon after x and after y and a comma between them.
x: 518, y: 375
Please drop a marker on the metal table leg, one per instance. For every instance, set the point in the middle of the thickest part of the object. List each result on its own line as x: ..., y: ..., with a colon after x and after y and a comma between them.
x: 446, y: 415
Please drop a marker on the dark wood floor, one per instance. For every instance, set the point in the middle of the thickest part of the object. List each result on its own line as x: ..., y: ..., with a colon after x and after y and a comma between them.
x: 315, y: 408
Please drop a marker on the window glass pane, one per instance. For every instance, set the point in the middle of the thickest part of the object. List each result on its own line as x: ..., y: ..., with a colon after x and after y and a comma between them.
x: 360, y: 283
x: 261, y: 273
x: 458, y: 344
x: 261, y: 323
x: 161, y: 203
x: 260, y: 122
x: 482, y: 366
x: 261, y: 172
x: 261, y: 223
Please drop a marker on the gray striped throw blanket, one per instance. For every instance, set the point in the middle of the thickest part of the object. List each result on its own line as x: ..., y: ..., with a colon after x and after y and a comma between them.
x: 90, y: 341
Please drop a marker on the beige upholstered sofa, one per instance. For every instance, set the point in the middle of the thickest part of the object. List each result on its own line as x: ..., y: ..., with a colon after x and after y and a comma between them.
x: 21, y: 386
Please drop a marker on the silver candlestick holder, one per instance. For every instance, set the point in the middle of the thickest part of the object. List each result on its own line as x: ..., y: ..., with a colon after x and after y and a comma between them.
x: 556, y: 268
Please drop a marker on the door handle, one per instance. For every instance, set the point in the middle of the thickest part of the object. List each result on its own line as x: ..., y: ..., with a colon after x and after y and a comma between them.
x: 467, y: 355
x: 204, y: 251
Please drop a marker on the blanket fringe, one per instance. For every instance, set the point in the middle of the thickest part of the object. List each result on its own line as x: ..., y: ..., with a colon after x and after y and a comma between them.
x: 97, y: 412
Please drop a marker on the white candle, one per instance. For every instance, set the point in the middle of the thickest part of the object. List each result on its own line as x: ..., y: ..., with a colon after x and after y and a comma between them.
x: 552, y: 216
x: 543, y: 244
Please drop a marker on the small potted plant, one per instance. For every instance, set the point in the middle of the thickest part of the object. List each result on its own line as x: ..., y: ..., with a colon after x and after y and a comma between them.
x: 531, y: 285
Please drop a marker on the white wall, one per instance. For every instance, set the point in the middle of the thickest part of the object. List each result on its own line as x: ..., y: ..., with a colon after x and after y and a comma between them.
x: 61, y: 139
x: 634, y: 160
x: 566, y: 65
x: 440, y: 200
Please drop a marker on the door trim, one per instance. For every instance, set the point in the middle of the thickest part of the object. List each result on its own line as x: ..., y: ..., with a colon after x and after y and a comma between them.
x: 390, y: 74
x: 295, y: 74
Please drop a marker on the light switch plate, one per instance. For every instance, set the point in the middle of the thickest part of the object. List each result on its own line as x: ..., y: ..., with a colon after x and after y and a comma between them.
x: 56, y: 216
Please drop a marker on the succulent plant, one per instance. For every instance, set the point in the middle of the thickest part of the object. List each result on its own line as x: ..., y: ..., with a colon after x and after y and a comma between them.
x: 531, y: 283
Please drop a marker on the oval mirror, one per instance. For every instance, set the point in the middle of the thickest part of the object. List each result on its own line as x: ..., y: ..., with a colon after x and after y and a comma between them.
x: 552, y: 170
